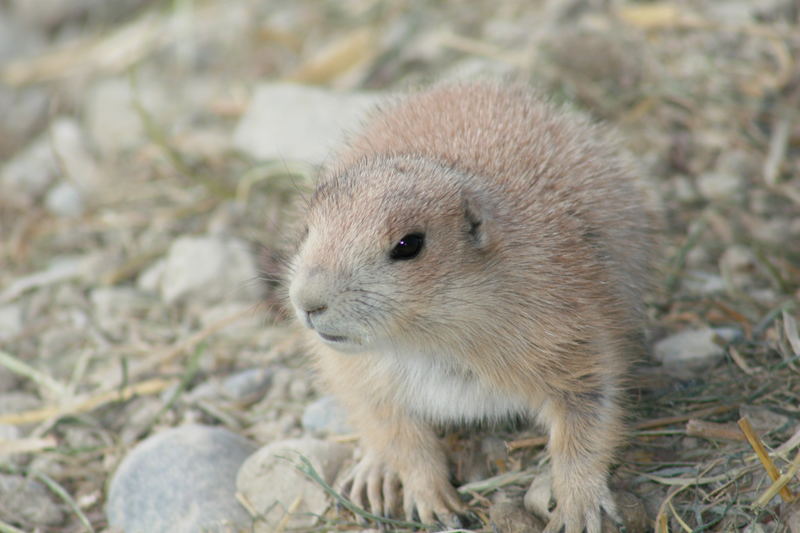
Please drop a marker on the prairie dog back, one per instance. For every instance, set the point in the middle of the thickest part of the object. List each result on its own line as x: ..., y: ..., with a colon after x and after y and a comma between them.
x: 476, y: 253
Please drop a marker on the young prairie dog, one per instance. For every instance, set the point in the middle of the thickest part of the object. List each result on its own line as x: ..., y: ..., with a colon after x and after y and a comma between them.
x: 473, y: 254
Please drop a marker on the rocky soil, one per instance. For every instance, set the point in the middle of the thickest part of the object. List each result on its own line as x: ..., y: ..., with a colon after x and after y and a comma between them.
x: 151, y: 155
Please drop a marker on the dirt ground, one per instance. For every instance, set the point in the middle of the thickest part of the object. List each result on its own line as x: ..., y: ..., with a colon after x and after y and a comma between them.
x: 706, y: 95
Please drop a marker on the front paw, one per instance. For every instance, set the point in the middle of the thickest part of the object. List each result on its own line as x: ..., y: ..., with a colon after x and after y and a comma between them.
x: 579, y: 510
x: 375, y: 486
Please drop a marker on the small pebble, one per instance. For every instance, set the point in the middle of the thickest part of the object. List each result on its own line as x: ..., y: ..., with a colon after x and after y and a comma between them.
x: 689, y: 354
x: 65, y: 200
x: 509, y: 516
x: 719, y: 185
x: 27, y: 501
x: 325, y: 415
x: 10, y: 322
x: 248, y: 384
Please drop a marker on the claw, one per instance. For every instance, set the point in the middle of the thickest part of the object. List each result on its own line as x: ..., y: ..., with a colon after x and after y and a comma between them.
x: 391, y: 494
x: 375, y: 487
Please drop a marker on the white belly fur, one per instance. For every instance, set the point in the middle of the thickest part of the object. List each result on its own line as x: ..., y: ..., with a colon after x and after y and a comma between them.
x: 444, y: 393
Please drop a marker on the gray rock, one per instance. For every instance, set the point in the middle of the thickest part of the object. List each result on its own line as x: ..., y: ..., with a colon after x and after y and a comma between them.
x: 23, y: 110
x: 688, y: 354
x: 271, y: 483
x: 27, y: 501
x: 208, y: 269
x: 509, y: 516
x: 790, y: 513
x: 150, y: 279
x: 180, y: 480
x: 247, y: 384
x: 24, y: 113
x: 9, y: 433
x: 113, y: 307
x: 244, y: 328
x: 294, y: 122
x: 719, y: 185
x: 700, y: 282
x: 17, y: 39
x: 738, y: 263
x: 74, y: 158
x: 762, y: 419
x: 29, y: 173
x: 326, y: 416
x: 65, y: 200
x: 61, y: 150
x: 113, y: 121
x: 10, y: 321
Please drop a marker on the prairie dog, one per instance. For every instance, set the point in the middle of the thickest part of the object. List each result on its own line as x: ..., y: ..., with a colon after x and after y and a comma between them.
x: 476, y: 253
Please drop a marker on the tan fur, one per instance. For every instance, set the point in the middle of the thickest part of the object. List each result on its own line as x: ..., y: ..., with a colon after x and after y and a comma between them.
x: 526, y: 297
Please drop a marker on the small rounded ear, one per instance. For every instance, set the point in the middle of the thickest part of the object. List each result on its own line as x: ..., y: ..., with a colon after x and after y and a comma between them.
x: 477, y: 218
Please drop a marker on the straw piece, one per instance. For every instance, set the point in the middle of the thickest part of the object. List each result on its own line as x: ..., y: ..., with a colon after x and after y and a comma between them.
x: 763, y: 456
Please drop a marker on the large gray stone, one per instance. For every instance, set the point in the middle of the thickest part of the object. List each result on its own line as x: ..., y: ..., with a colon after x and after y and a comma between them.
x: 294, y: 122
x: 180, y: 480
x: 272, y: 484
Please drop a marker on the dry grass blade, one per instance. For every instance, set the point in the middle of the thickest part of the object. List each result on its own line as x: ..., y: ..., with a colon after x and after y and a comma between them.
x: 779, y: 484
x: 56, y: 273
x: 763, y: 456
x: 83, y: 405
x: 740, y: 361
x: 27, y: 445
x: 293, y: 507
x: 647, y: 424
x: 64, y: 495
x: 186, y: 345
x: 495, y: 482
x: 777, y: 150
x: 656, y: 15
x: 8, y: 528
x: 112, y: 53
x: 40, y: 378
x: 712, y: 430
x: 338, y: 58
x: 793, y: 442
x: 526, y: 443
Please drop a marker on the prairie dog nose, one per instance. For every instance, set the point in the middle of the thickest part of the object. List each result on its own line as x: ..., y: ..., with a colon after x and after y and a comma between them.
x: 309, y: 294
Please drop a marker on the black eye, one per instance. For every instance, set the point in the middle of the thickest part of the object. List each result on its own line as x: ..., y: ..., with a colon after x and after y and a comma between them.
x: 408, y: 247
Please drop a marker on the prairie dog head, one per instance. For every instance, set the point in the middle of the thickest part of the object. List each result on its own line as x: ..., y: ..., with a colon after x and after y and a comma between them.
x: 396, y: 251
